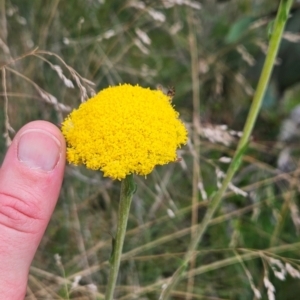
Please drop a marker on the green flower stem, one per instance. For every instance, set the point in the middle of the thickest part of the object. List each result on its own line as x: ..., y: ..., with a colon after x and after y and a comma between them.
x: 127, y: 190
x: 276, y: 35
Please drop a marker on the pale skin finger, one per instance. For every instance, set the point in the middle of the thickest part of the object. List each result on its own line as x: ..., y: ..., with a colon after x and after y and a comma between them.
x: 30, y: 182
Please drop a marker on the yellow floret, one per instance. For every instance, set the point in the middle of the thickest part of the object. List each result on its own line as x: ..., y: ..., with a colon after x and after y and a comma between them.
x: 123, y: 130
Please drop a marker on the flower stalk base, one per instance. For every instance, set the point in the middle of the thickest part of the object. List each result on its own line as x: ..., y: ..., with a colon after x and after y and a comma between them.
x: 128, y: 188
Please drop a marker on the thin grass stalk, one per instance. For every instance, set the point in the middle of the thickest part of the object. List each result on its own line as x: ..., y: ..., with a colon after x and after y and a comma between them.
x: 279, y: 24
x: 127, y: 191
x: 192, y: 38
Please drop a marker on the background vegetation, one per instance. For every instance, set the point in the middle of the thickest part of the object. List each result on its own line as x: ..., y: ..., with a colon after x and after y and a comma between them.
x: 54, y: 54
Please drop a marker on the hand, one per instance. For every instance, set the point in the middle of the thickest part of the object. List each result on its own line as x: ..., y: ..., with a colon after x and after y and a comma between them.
x: 30, y: 182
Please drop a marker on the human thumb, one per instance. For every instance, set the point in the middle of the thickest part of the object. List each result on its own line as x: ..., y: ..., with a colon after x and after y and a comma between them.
x: 30, y: 181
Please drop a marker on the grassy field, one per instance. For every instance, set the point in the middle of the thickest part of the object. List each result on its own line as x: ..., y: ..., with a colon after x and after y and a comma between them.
x: 55, y: 54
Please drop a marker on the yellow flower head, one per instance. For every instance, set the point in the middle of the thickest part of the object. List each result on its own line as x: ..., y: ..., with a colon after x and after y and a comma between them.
x: 123, y: 130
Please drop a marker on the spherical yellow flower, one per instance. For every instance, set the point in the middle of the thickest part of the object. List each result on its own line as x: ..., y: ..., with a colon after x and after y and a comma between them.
x: 123, y: 130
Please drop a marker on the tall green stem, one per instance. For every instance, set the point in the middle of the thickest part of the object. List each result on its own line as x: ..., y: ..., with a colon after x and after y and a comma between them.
x: 127, y: 191
x: 278, y: 28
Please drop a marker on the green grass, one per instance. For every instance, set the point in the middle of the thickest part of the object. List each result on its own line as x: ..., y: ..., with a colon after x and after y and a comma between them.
x: 244, y: 233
